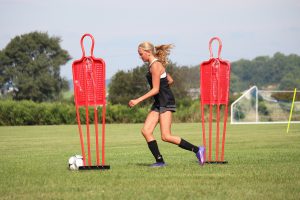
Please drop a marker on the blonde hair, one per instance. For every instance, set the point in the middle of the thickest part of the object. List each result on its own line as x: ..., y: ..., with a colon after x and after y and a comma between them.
x: 160, y: 52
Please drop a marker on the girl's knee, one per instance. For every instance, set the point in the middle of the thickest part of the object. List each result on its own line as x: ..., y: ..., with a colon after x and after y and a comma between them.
x: 145, y: 132
x: 166, y: 138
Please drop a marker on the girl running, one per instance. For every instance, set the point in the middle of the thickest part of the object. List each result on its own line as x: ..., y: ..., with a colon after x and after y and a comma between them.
x: 164, y: 103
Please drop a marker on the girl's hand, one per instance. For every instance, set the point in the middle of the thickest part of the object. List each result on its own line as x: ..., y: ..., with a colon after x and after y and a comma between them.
x: 133, y: 102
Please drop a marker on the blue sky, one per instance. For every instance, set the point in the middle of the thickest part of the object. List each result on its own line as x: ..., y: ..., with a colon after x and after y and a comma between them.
x: 247, y: 28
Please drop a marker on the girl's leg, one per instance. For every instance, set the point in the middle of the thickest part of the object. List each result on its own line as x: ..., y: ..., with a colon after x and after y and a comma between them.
x: 165, y: 128
x: 149, y: 125
x: 165, y: 120
x: 147, y: 131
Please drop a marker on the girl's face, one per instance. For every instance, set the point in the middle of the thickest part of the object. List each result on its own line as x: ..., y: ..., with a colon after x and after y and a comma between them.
x: 144, y: 55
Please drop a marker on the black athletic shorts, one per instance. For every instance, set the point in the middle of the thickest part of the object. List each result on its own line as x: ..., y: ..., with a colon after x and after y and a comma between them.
x: 162, y: 109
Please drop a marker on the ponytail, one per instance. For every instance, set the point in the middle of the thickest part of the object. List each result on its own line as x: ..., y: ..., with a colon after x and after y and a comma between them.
x: 161, y: 52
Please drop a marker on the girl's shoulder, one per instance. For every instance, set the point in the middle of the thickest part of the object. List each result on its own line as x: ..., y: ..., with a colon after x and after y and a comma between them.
x: 156, y: 65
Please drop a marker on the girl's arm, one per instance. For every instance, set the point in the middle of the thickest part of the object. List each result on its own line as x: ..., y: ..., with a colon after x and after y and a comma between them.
x: 170, y: 79
x: 155, y: 71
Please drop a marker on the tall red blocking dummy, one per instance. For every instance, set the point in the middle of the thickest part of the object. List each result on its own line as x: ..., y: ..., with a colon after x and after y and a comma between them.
x: 214, y: 88
x: 89, y: 91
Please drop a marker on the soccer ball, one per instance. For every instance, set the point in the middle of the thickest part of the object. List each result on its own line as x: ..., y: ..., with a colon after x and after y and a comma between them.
x: 75, y: 162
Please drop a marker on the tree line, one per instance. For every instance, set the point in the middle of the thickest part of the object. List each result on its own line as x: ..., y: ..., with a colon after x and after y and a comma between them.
x: 126, y: 85
x: 279, y: 72
x: 31, y: 63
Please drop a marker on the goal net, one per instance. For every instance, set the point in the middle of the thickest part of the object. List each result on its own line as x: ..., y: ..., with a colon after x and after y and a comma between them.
x: 265, y: 106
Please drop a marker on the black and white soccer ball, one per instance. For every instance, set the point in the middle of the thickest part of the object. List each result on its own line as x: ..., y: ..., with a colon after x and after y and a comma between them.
x: 75, y: 162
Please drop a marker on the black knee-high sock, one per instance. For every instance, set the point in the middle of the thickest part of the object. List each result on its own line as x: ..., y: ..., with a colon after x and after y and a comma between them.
x: 154, y: 150
x: 188, y: 146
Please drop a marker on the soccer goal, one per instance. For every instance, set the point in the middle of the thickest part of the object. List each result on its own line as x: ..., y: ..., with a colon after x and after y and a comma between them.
x: 265, y: 106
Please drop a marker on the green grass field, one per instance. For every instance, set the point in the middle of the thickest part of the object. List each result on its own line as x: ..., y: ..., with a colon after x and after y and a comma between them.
x: 263, y: 163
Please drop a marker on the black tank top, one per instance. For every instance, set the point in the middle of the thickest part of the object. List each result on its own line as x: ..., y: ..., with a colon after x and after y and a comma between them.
x: 165, y: 97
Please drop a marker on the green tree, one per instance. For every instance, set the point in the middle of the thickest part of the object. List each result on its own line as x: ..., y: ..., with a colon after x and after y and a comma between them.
x: 279, y: 71
x: 290, y: 81
x: 132, y: 84
x: 122, y: 89
x: 235, y: 83
x: 32, y: 61
x: 181, y: 79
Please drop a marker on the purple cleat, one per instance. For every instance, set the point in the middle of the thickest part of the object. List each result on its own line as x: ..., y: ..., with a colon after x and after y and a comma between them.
x: 158, y: 164
x: 201, y: 155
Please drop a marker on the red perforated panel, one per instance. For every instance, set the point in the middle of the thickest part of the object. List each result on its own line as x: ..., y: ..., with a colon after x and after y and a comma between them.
x: 89, y: 81
x: 215, y: 76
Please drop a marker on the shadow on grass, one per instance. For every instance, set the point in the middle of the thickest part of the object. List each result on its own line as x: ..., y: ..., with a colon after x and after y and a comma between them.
x: 142, y: 164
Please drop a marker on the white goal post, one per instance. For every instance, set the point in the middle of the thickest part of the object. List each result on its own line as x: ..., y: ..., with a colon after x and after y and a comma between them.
x: 265, y: 107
